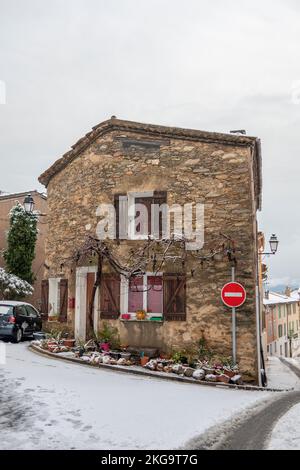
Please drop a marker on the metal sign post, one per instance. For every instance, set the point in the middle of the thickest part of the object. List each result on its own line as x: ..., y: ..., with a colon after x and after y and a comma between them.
x: 233, y: 322
x: 233, y: 295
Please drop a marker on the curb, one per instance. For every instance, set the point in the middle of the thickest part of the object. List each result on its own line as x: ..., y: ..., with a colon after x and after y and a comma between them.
x: 155, y: 375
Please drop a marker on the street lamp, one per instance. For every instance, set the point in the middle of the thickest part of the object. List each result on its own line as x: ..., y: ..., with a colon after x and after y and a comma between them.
x: 28, y: 204
x: 274, y: 242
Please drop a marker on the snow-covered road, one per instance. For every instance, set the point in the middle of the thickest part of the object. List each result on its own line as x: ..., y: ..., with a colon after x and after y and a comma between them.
x: 50, y: 404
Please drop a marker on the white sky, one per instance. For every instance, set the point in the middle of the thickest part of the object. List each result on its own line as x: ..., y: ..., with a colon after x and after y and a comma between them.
x: 227, y: 64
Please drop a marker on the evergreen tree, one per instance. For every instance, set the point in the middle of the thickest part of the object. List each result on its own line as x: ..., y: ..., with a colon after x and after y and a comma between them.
x: 21, y: 241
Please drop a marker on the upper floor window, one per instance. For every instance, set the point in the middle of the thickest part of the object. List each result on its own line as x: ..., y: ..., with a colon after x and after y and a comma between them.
x: 140, y: 214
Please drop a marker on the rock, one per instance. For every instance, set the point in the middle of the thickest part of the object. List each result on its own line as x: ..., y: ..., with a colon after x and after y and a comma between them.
x: 209, y: 371
x: 178, y: 369
x: 106, y: 360
x: 199, y: 374
x: 236, y: 380
x: 223, y: 378
x: 151, y: 365
x: 211, y: 378
x: 168, y: 369
x: 122, y: 361
x: 188, y: 371
x: 160, y: 367
x: 230, y: 373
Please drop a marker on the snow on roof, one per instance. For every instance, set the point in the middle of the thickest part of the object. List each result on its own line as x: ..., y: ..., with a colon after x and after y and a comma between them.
x: 275, y: 298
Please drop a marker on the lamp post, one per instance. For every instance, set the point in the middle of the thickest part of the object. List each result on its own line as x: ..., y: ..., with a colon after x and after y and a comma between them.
x: 28, y: 204
x: 260, y: 358
x: 273, y: 242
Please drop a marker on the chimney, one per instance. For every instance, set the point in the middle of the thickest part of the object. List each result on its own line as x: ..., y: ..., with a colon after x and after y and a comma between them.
x: 287, y: 291
x: 267, y: 294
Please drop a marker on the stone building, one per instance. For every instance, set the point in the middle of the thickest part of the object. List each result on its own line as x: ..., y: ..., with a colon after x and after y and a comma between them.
x: 134, y: 162
x: 7, y: 202
x: 282, y: 313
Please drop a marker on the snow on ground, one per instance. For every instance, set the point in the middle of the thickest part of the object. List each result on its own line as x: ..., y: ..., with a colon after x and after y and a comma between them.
x: 50, y: 404
x: 280, y: 376
x: 286, y: 433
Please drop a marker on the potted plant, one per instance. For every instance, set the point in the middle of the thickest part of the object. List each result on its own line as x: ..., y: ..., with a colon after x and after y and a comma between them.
x: 126, y: 316
x: 69, y: 343
x: 108, y: 337
x: 141, y: 315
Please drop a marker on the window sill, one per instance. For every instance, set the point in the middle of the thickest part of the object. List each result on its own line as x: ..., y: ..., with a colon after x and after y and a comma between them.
x: 141, y: 321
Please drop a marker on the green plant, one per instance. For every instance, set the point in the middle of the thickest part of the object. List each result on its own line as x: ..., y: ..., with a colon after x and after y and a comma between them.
x: 108, y: 334
x: 54, y: 334
x: 204, y: 353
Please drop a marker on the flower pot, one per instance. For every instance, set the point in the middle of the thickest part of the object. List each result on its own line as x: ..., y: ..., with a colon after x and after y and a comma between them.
x: 69, y: 343
x: 125, y: 355
x: 52, y: 318
x: 126, y: 316
x: 140, y: 315
x: 105, y: 346
x: 144, y: 360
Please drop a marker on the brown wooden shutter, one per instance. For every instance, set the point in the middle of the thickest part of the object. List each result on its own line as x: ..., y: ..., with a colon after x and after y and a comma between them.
x: 160, y: 197
x: 174, y: 297
x: 110, y: 296
x: 121, y: 208
x: 63, y: 310
x: 45, y: 297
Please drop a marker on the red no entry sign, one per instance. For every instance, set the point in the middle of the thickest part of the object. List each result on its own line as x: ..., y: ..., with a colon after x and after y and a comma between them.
x: 233, y: 294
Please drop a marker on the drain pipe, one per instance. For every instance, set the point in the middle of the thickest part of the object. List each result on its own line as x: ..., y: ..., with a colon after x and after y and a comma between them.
x: 258, y: 342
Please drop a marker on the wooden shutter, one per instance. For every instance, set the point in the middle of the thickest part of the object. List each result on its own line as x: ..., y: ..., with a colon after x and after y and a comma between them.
x: 45, y: 297
x: 174, y: 297
x: 63, y: 307
x: 160, y: 197
x: 121, y: 208
x: 110, y: 296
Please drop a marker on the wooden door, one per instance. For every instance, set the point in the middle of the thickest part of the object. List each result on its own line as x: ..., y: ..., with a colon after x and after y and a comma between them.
x: 90, y: 281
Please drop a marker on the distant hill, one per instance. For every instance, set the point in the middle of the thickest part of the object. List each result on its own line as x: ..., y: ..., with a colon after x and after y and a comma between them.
x: 280, y: 288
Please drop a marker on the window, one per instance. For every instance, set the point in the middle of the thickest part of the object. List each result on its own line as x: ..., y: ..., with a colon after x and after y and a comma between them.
x: 21, y: 311
x: 294, y: 308
x: 146, y: 293
x: 31, y: 311
x: 284, y: 329
x: 279, y: 311
x: 280, y: 331
x: 139, y: 215
x: 160, y: 295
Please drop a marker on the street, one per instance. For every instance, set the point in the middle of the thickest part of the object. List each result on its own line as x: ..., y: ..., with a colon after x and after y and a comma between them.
x: 50, y: 404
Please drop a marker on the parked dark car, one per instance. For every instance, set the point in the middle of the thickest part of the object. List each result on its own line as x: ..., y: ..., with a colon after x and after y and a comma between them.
x: 18, y: 320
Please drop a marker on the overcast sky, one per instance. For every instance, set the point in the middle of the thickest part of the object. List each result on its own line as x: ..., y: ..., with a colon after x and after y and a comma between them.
x: 227, y: 64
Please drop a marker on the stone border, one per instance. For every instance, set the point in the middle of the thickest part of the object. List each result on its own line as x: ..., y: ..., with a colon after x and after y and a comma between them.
x: 135, y: 370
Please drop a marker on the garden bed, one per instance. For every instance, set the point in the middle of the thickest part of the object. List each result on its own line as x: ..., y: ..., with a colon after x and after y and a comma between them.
x: 92, y: 359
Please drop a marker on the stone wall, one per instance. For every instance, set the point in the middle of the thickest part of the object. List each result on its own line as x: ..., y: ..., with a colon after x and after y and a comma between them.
x: 217, y: 174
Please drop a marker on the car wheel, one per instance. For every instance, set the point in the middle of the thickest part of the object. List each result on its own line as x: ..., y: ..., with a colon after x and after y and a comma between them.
x: 18, y: 336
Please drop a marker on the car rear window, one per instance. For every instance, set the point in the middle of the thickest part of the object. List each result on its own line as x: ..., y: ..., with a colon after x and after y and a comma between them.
x: 6, y: 310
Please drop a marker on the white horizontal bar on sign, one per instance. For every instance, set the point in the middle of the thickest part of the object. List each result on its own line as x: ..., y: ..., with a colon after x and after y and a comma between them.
x: 233, y: 294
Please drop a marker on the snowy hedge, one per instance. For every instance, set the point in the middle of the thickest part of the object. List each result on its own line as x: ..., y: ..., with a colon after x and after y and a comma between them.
x: 12, y: 287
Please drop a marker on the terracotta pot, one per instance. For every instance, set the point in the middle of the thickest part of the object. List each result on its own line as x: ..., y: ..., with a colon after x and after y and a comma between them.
x: 69, y: 343
x: 144, y: 360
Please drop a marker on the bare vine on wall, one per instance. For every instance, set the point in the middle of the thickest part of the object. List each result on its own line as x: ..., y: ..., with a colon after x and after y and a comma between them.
x: 153, y: 254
